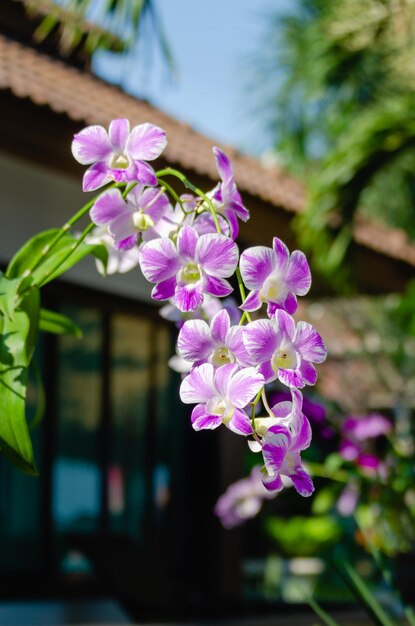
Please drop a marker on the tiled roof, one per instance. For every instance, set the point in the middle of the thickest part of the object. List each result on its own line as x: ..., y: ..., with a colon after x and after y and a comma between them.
x: 87, y: 99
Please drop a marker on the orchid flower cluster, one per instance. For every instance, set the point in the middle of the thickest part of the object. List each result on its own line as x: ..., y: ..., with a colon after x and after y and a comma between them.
x: 185, y: 246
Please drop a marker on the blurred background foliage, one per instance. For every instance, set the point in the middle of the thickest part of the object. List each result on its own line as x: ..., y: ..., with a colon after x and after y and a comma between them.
x: 341, y: 109
x: 112, y: 25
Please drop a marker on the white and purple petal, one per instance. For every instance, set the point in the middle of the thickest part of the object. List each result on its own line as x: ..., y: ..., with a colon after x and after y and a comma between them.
x: 252, y: 302
x: 187, y: 242
x: 244, y: 386
x: 218, y: 287
x: 302, y: 482
x: 198, y: 386
x: 309, y: 343
x: 217, y: 254
x: 240, y: 423
x: 164, y: 290
x: 203, y: 421
x: 261, y: 339
x: 159, y: 260
x: 118, y: 132
x: 96, y: 176
x: 91, y: 145
x: 219, y: 326
x: 146, y: 142
x: 298, y: 276
x: 194, y: 342
x: 188, y: 296
x: 256, y: 264
x: 109, y: 206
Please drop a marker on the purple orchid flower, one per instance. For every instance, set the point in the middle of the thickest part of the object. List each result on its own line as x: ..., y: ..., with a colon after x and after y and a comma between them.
x: 197, y: 266
x: 119, y: 154
x: 242, y: 500
x: 281, y: 448
x: 127, y: 219
x: 357, y: 429
x: 221, y: 395
x: 219, y: 344
x: 120, y: 261
x: 225, y: 196
x: 284, y: 350
x: 274, y: 276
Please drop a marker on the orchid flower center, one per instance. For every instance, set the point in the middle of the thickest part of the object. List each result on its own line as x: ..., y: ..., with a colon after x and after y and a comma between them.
x: 190, y: 273
x: 222, y: 356
x: 220, y: 406
x: 273, y: 289
x: 142, y: 221
x: 285, y: 358
x: 120, y: 162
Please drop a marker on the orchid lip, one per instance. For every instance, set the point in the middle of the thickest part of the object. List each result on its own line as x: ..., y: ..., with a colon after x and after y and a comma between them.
x: 190, y: 273
x: 219, y: 406
x: 120, y: 162
x: 273, y: 290
x: 142, y: 221
x: 222, y: 356
x: 284, y: 358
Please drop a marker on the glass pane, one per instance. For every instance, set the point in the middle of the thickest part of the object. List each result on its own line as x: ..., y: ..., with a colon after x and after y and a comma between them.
x: 130, y: 384
x: 20, y: 501
x: 76, y: 472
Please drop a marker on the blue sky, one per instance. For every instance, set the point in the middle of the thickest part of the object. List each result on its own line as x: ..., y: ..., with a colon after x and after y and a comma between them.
x: 210, y: 42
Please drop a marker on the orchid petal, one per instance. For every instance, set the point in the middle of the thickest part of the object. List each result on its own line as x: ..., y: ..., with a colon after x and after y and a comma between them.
x: 118, y: 133
x: 198, y: 386
x: 298, y: 276
x: 285, y: 323
x: 309, y: 343
x: 261, y: 339
x: 217, y: 286
x: 194, y: 342
x: 223, y: 165
x: 240, y: 423
x: 186, y: 243
x: 108, y: 206
x: 302, y: 482
x: 146, y: 142
x: 90, y: 145
x: 219, y: 326
x: 96, y: 176
x: 282, y: 255
x: 164, y: 290
x: 252, y: 302
x: 159, y: 260
x: 145, y: 174
x: 244, y: 386
x: 217, y: 254
x: 223, y: 376
x: 256, y: 264
x: 202, y: 421
x: 188, y: 296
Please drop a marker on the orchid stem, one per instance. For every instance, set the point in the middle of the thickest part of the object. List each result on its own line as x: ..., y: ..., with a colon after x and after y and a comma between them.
x: 169, y: 171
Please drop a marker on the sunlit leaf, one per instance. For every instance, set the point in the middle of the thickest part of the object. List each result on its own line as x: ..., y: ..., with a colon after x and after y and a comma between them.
x: 52, y: 322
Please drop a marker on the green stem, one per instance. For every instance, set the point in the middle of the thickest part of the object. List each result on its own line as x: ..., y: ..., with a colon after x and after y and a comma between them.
x: 169, y: 171
x: 242, y: 292
x: 265, y: 403
x: 317, y: 469
x: 172, y: 192
x: 71, y: 251
x: 62, y: 231
x: 254, y: 403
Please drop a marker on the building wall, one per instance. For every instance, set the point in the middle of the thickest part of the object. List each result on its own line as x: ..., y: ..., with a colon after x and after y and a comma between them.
x: 34, y: 198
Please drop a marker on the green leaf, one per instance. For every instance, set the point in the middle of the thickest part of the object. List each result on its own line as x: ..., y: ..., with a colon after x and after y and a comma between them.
x: 41, y: 398
x: 52, y: 322
x: 364, y: 594
x: 9, y: 297
x: 17, y: 340
x: 51, y: 262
